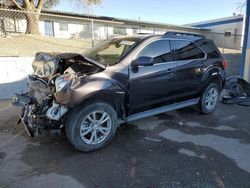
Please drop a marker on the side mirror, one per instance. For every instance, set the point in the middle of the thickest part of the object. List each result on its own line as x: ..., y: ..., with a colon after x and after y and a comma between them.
x: 142, y: 61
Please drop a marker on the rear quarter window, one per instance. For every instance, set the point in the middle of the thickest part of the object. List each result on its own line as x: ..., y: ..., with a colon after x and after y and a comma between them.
x: 210, y: 49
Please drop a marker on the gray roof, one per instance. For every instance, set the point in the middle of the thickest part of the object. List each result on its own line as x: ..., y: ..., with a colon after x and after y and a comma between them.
x: 119, y: 20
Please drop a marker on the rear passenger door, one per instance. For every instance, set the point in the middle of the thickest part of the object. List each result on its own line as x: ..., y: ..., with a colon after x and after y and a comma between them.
x: 189, y: 63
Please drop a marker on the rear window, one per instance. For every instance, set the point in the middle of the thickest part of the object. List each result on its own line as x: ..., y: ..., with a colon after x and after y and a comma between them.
x: 186, y: 50
x: 210, y: 49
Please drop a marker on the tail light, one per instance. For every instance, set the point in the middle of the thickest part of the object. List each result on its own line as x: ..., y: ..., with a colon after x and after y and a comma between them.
x: 225, y: 64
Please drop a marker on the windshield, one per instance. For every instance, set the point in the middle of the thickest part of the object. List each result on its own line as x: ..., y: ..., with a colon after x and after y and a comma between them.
x: 111, y: 51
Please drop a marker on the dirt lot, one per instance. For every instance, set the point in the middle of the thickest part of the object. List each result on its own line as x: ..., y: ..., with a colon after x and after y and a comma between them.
x: 176, y: 149
x: 234, y: 60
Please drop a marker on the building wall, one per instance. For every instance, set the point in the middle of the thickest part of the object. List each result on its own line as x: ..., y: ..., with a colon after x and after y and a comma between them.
x: 14, y: 22
x: 232, y: 42
x: 218, y: 28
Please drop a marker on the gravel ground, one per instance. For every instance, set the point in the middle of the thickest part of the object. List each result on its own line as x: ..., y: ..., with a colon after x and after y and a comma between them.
x: 234, y: 60
x: 178, y: 149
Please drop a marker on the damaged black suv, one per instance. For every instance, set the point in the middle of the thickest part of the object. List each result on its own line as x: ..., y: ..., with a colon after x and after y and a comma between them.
x: 120, y: 80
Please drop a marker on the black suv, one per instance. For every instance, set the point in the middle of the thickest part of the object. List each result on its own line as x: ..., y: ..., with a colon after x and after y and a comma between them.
x: 120, y: 80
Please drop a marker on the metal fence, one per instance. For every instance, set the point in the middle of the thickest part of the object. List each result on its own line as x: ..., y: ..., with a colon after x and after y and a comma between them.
x: 74, y: 33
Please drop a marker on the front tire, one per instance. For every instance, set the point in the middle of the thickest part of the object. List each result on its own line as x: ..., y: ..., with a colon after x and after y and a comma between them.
x: 209, y: 98
x: 91, y: 127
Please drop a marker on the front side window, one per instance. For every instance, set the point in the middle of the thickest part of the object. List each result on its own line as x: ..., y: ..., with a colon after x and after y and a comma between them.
x: 186, y: 50
x: 159, y: 50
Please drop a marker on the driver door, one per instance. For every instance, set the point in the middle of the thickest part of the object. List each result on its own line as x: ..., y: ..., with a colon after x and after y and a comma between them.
x: 154, y: 85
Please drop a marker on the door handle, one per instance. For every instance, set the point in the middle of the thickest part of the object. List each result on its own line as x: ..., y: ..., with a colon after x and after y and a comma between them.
x: 170, y: 70
x: 170, y: 75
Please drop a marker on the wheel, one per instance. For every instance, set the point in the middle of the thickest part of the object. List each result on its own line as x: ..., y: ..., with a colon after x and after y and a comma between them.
x: 91, y: 127
x: 209, y: 98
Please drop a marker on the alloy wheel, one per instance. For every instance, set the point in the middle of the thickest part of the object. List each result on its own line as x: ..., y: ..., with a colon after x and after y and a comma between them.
x: 95, y: 127
x: 211, y: 98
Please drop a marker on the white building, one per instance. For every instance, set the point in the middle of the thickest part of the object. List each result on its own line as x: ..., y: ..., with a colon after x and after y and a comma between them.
x: 68, y: 25
x: 226, y: 32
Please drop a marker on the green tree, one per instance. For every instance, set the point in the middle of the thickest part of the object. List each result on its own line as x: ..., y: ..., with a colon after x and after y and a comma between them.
x: 33, y: 10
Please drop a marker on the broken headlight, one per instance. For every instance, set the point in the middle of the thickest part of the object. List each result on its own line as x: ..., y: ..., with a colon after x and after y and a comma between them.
x: 63, y: 82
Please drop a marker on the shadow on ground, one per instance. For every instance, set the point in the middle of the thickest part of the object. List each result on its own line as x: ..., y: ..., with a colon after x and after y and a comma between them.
x: 177, y: 149
x: 7, y: 90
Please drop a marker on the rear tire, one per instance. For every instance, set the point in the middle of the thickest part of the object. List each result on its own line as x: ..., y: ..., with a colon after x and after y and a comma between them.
x: 209, y: 98
x: 92, y: 126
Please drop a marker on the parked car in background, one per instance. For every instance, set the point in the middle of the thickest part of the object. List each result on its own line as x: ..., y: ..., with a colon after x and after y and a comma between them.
x: 120, y: 80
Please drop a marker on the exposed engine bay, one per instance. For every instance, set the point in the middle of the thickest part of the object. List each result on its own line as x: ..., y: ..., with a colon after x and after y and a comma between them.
x: 53, y: 79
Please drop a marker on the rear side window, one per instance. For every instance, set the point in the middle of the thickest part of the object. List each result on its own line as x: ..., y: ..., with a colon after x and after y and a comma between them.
x: 186, y: 50
x: 159, y: 50
x: 209, y: 47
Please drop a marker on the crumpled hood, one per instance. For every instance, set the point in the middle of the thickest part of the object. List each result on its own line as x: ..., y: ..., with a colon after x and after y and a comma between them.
x: 47, y: 64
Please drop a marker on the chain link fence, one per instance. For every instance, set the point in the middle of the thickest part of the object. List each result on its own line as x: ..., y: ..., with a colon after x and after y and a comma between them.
x: 65, y: 32
x: 57, y: 33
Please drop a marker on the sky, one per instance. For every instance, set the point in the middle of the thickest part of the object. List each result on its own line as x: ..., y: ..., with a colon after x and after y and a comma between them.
x: 165, y: 11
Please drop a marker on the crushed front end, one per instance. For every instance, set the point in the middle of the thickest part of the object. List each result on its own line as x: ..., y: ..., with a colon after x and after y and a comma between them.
x: 54, y: 75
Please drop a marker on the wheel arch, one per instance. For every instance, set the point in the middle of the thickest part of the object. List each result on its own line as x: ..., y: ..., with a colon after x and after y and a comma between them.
x: 213, y: 75
x: 116, y: 99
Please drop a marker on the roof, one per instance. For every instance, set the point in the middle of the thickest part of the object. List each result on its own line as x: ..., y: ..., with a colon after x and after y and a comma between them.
x: 220, y: 21
x: 119, y: 20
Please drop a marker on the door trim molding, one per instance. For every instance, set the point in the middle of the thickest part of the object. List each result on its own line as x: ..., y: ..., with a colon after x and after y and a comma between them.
x: 162, y: 109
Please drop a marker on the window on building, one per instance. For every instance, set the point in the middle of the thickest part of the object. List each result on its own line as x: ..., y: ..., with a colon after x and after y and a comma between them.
x: 63, y: 26
x: 119, y: 30
x: 9, y: 25
x: 186, y: 50
x: 228, y: 33
x: 135, y: 30
x: 49, y: 28
x: 159, y: 50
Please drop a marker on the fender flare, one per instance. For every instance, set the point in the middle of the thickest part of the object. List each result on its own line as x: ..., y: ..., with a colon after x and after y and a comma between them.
x: 101, y: 89
x: 214, y: 74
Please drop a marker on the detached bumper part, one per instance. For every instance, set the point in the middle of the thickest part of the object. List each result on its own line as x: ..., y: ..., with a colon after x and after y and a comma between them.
x: 55, y: 112
x: 21, y: 100
x: 30, y: 133
x: 238, y: 91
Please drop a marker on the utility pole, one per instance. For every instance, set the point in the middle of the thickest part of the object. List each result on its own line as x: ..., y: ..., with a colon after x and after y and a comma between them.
x: 245, y: 64
x: 92, y: 32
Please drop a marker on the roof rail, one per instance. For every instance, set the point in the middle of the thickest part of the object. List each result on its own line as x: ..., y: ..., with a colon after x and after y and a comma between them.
x: 176, y: 34
x: 144, y: 33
